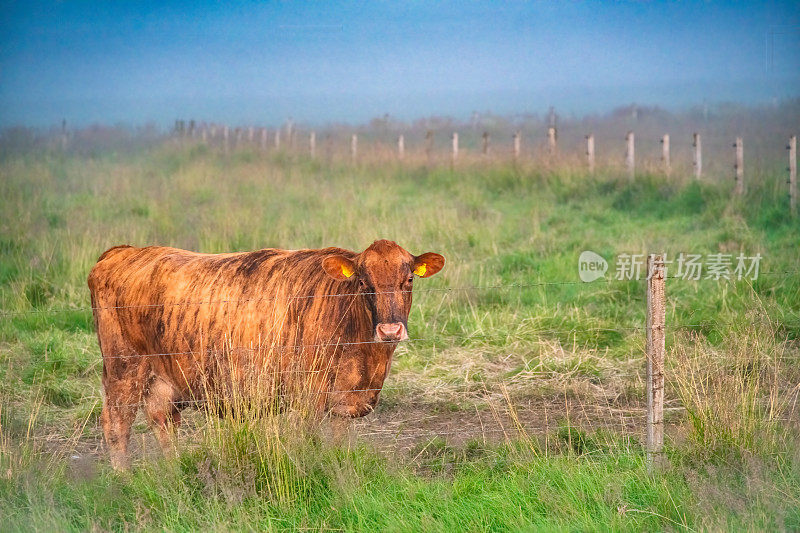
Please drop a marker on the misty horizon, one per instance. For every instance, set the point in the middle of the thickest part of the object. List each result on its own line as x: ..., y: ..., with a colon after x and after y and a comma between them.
x: 349, y: 62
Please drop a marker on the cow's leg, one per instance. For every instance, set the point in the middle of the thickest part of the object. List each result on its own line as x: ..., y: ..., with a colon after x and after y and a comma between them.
x: 162, y: 413
x: 355, y: 391
x: 122, y: 397
x: 123, y: 382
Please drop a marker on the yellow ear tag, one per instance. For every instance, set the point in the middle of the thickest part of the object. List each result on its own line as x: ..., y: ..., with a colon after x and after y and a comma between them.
x: 420, y: 270
x: 347, y: 271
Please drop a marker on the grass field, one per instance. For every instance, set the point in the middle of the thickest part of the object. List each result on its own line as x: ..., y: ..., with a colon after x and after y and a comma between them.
x: 518, y: 405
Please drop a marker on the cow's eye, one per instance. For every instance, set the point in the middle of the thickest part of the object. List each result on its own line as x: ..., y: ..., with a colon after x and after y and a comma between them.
x: 410, y: 279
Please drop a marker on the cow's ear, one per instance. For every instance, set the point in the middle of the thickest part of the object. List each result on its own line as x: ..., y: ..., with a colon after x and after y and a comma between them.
x: 339, y: 267
x: 427, y: 264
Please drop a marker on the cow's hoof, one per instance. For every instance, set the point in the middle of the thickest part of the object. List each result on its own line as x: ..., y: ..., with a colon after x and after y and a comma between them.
x: 120, y: 462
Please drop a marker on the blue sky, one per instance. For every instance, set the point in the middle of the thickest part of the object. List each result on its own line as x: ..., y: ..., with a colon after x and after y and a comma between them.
x: 260, y: 62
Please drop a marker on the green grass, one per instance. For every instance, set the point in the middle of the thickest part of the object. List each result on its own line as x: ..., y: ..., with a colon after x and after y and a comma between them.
x: 734, y: 362
x: 498, y: 492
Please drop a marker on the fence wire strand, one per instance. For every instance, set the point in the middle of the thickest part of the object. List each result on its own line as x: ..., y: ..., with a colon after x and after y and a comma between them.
x: 341, y: 295
x: 434, y: 340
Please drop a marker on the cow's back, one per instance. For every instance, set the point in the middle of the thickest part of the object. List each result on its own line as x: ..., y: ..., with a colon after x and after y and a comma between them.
x: 252, y: 308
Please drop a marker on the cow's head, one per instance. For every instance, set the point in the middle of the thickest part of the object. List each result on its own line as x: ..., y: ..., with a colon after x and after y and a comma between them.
x: 385, y: 275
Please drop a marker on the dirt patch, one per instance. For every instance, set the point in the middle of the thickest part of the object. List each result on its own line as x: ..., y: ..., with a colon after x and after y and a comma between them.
x: 399, y: 428
x: 404, y: 428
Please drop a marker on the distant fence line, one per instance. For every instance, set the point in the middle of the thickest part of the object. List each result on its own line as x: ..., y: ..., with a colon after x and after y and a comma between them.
x: 286, y: 139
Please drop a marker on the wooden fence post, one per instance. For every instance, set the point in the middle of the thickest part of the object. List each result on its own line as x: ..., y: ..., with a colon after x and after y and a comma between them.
x: 289, y: 133
x: 739, y: 166
x: 354, y: 147
x: 629, y: 155
x: 665, y: 154
x: 792, y: 147
x: 429, y: 145
x: 401, y: 147
x: 551, y: 141
x: 264, y: 139
x: 328, y: 148
x: 656, y: 346
x: 251, y: 132
x: 63, y: 134
x: 517, y: 144
x: 485, y: 143
x: 698, y: 155
x: 225, y: 139
x: 455, y: 147
x: 204, y: 134
x: 312, y: 144
x: 590, y: 152
x: 278, y: 139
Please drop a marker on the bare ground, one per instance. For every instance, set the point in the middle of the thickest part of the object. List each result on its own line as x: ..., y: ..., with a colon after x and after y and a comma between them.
x: 464, y: 397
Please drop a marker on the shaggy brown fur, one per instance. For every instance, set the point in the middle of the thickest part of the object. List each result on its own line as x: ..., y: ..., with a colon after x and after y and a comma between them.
x: 277, y: 322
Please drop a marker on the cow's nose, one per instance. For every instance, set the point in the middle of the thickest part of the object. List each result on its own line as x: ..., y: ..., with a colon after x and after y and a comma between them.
x: 391, y: 332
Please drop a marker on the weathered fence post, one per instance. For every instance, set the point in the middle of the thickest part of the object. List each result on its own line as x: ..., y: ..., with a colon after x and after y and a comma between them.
x: 517, y: 144
x: 328, y: 148
x: 665, y: 154
x: 739, y: 166
x: 429, y: 146
x: 278, y: 139
x: 312, y: 144
x: 792, y: 147
x: 551, y: 141
x: 656, y: 346
x: 698, y: 155
x: 354, y: 147
x: 455, y: 147
x: 289, y: 133
x: 629, y: 155
x: 225, y: 139
x: 204, y: 134
x: 401, y: 147
x: 251, y: 132
x: 63, y: 134
x: 485, y: 143
x: 264, y: 139
x: 590, y: 152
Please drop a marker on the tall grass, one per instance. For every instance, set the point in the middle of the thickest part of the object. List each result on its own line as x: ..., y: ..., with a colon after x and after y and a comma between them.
x: 737, y: 398
x: 555, y: 368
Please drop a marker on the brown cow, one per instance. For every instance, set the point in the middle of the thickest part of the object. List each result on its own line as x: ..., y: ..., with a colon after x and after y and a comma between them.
x: 176, y: 327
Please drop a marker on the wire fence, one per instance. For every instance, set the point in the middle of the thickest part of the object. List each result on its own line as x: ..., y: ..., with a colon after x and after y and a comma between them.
x: 434, y: 339
x: 289, y: 298
x: 526, y: 335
